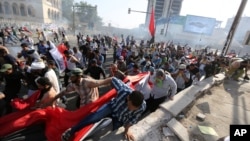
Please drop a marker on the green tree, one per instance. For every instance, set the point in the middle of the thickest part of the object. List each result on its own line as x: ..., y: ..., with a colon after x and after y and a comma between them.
x: 67, y: 9
x: 87, y: 13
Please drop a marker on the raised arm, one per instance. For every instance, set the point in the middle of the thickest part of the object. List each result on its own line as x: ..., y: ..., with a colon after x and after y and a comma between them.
x: 92, y: 83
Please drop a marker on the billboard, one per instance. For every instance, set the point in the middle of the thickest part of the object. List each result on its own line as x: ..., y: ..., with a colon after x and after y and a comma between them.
x: 172, y: 20
x: 200, y: 25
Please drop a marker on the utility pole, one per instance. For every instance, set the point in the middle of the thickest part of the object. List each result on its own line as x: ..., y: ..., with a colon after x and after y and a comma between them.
x: 73, y: 26
x: 168, y: 17
x: 233, y: 28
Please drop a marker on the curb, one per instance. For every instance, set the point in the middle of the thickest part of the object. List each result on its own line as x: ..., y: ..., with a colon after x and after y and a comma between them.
x: 150, y: 127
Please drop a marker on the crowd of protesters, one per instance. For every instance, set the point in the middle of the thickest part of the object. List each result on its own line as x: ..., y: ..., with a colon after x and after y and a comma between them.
x: 172, y: 67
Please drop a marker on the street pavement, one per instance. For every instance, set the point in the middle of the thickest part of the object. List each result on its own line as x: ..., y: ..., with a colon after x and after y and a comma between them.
x: 223, y: 105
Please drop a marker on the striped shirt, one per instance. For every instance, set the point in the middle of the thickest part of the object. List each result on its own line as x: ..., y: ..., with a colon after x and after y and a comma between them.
x: 119, y: 104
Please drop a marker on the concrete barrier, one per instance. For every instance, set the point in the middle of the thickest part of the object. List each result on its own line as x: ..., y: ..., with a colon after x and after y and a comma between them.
x: 150, y: 127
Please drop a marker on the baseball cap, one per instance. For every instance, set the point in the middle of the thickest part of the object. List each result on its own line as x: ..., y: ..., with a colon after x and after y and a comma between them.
x: 5, y: 67
x: 75, y: 72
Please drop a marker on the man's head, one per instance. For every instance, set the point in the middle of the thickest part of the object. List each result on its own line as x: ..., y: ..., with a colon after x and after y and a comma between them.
x: 93, y: 62
x: 135, y: 100
x: 75, y: 49
x: 43, y: 83
x: 6, y: 68
x: 182, y: 67
x: 25, y: 46
x: 135, y: 67
x: 67, y: 53
x: 114, y: 67
x: 2, y: 52
x: 75, y: 75
x: 51, y: 63
x: 160, y: 74
x: 121, y: 59
x: 191, y: 66
x: 37, y: 67
x: 148, y: 63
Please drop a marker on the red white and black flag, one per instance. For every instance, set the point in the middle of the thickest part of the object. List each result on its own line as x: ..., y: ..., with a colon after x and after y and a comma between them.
x: 151, y: 26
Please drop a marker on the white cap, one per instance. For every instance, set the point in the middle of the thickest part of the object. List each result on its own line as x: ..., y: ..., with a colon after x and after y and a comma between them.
x: 36, y: 65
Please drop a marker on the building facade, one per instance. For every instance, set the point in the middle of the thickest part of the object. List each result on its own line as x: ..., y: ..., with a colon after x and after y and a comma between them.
x: 241, y: 32
x: 163, y: 8
x: 23, y: 12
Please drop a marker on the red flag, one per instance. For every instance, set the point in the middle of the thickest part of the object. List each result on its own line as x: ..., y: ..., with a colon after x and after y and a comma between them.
x: 151, y: 26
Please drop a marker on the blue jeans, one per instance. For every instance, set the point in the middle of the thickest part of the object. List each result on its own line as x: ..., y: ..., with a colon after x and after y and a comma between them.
x: 101, y: 113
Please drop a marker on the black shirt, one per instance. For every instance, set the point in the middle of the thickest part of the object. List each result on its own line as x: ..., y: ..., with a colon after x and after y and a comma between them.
x: 194, y: 71
x: 95, y: 72
x: 12, y: 84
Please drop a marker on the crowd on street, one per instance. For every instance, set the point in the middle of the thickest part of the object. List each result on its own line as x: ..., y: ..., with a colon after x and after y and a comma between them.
x: 41, y: 67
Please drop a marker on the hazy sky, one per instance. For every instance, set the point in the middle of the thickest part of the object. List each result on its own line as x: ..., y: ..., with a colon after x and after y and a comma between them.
x: 116, y: 11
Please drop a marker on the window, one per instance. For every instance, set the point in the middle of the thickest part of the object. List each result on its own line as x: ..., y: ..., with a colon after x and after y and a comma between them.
x: 49, y: 13
x: 15, y: 9
x: 31, y: 11
x: 7, y: 8
x: 23, y: 10
x: 1, y: 8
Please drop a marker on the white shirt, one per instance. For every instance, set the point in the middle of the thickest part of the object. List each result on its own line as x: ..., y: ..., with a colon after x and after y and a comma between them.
x: 161, y: 91
x: 51, y: 75
x: 78, y: 55
x: 180, y: 80
x: 103, y: 49
x: 70, y: 65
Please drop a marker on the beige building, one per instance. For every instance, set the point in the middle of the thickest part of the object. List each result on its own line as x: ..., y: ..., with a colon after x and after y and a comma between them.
x: 30, y: 12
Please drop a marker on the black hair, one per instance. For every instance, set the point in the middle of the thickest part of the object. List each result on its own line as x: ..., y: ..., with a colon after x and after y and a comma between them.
x: 191, y: 64
x: 2, y: 51
x: 43, y: 81
x: 51, y: 62
x: 245, y: 62
x: 66, y: 52
x: 24, y: 45
x: 136, y: 66
x: 136, y: 98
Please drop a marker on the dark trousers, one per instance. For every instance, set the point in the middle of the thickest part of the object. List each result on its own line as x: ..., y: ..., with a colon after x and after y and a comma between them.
x: 104, y: 56
x: 153, y: 104
x: 66, y: 77
x: 3, y: 41
x: 101, y: 113
x: 2, y: 107
x: 179, y: 89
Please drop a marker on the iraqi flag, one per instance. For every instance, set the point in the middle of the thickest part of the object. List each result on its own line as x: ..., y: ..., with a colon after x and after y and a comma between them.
x: 26, y: 30
x: 151, y: 26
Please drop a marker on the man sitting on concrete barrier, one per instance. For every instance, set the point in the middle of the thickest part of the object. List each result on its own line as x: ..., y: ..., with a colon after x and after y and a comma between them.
x: 164, y: 87
x: 237, y: 68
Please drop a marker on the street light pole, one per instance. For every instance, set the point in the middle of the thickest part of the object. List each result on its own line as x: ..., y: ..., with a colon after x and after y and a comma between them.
x: 168, y: 17
x: 233, y: 28
x: 129, y: 11
x: 74, y: 29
